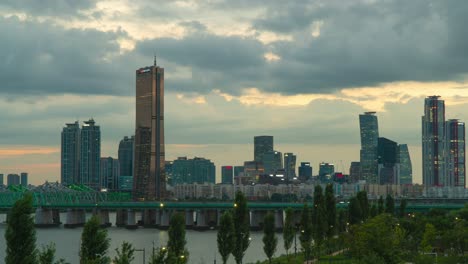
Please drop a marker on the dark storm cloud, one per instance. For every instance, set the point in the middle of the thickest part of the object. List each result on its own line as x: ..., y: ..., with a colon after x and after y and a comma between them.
x: 48, y: 7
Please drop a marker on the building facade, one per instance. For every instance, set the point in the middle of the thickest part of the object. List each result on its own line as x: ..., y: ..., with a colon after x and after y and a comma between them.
x: 227, y: 174
x: 406, y: 168
x: 355, y: 171
x: 326, y: 172
x: 70, y: 154
x: 90, y: 155
x: 125, y: 156
x: 455, y: 157
x: 196, y: 170
x: 369, y: 129
x: 13, y: 179
x: 149, y: 159
x: 1, y: 179
x: 110, y: 173
x: 290, y: 166
x: 24, y: 179
x: 388, y: 162
x: 305, y: 171
x: 433, y: 142
x: 272, y: 161
x: 262, y: 145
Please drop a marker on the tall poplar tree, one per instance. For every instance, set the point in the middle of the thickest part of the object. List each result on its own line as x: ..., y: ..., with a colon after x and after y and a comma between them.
x: 305, y: 236
x: 20, y: 234
x: 270, y: 241
x: 176, y: 250
x: 226, y: 238
x: 94, y: 243
x: 288, y: 230
x: 330, y: 206
x: 389, y: 205
x: 241, y: 227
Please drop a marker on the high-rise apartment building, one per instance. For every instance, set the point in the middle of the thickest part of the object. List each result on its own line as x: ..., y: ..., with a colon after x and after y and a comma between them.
x: 1, y: 179
x: 110, y: 173
x: 355, y: 171
x: 369, y: 140
x: 290, y: 165
x: 455, y: 153
x: 90, y: 155
x: 149, y: 160
x: 262, y: 145
x: 24, y: 179
x: 433, y: 142
x: 70, y: 154
x: 388, y: 163
x: 272, y: 161
x: 326, y: 172
x: 406, y: 168
x: 227, y: 174
x: 126, y: 156
x: 196, y: 170
x: 305, y: 171
x: 13, y: 179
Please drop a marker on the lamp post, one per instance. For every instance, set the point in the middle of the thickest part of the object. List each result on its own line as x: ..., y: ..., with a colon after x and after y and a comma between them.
x: 142, y: 250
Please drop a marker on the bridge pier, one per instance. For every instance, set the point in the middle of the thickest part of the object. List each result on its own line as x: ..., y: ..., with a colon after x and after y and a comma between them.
x: 279, y: 220
x: 201, y: 220
x: 219, y: 213
x: 149, y: 218
x: 189, y: 219
x: 165, y: 218
x: 256, y: 219
x: 75, y: 218
x: 131, y: 220
x: 121, y: 218
x: 46, y: 217
x: 103, y: 216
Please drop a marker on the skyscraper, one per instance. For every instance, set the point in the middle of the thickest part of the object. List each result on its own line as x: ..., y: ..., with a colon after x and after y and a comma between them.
x: 196, y: 170
x: 1, y: 179
x: 90, y: 155
x: 149, y: 160
x: 305, y: 171
x: 433, y: 142
x: 272, y: 161
x: 13, y: 179
x: 326, y: 171
x: 355, y: 171
x: 406, y: 169
x: 110, y: 173
x: 24, y: 179
x: 455, y: 156
x: 388, y: 163
x: 262, y: 145
x: 290, y: 165
x: 126, y: 156
x: 369, y: 140
x: 70, y: 154
x: 227, y: 173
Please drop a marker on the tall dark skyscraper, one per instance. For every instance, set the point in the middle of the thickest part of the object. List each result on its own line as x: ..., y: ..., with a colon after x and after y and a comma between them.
x: 433, y: 142
x: 126, y: 156
x: 388, y: 163
x: 455, y: 157
x: 149, y: 181
x: 272, y: 161
x: 290, y: 165
x: 305, y: 171
x: 90, y: 155
x: 406, y: 168
x: 227, y: 174
x: 369, y: 140
x: 24, y: 179
x: 110, y: 173
x: 196, y: 170
x: 262, y: 145
x: 70, y: 154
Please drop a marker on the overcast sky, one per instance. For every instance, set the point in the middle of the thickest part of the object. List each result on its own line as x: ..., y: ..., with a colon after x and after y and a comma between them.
x: 301, y: 71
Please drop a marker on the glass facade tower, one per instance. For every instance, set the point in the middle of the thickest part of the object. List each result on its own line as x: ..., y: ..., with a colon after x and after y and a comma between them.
x: 406, y: 168
x: 455, y: 158
x: 90, y: 155
x: 290, y: 165
x: 262, y: 145
x: 126, y: 156
x: 70, y: 154
x: 369, y: 140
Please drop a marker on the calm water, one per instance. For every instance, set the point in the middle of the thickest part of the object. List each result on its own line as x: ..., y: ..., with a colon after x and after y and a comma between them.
x: 201, y: 245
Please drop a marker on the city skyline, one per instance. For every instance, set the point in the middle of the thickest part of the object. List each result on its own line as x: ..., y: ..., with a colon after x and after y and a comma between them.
x: 234, y: 71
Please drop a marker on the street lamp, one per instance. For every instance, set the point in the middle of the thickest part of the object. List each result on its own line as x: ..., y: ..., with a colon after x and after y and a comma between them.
x: 142, y: 250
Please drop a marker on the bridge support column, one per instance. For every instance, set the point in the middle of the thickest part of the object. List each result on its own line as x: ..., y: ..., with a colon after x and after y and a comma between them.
x: 131, y: 220
x: 279, y: 220
x: 103, y: 216
x: 165, y: 218
x: 75, y: 218
x: 212, y: 216
x: 188, y: 219
x: 121, y: 218
x: 256, y: 220
x: 201, y: 216
x: 46, y: 218
x: 149, y: 218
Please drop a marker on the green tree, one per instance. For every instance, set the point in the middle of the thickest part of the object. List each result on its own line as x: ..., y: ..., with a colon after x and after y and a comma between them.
x: 330, y: 206
x: 428, y: 238
x: 342, y: 220
x: 47, y: 255
x: 159, y: 256
x: 20, y: 234
x: 373, y: 210
x: 125, y: 255
x: 226, y: 238
x: 354, y: 211
x: 270, y: 241
x: 364, y: 204
x: 177, y: 253
x: 380, y: 206
x: 305, y: 236
x: 389, y: 205
x: 288, y: 230
x: 403, y: 205
x: 94, y: 243
x: 241, y: 227
x: 319, y: 218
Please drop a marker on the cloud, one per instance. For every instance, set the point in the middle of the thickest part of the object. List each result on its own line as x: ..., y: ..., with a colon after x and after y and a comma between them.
x: 48, y: 7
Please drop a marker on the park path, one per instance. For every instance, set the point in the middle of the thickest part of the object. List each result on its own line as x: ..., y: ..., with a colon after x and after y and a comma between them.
x: 332, y: 254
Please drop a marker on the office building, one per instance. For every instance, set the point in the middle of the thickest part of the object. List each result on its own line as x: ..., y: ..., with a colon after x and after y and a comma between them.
x: 168, y: 171
x: 290, y: 166
x: 272, y: 161
x: 149, y: 181
x: 455, y: 155
x: 24, y: 179
x: 126, y: 183
x: 227, y: 174
x: 1, y: 179
x: 355, y: 171
x: 238, y: 170
x: 252, y: 171
x: 70, y: 154
x: 90, y: 155
x: 110, y: 173
x: 196, y: 170
x: 305, y: 171
x: 326, y: 172
x: 13, y: 179
x: 262, y: 145
x: 369, y: 129
x: 406, y: 168
x: 433, y: 142
x: 388, y: 163
x: 126, y: 156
